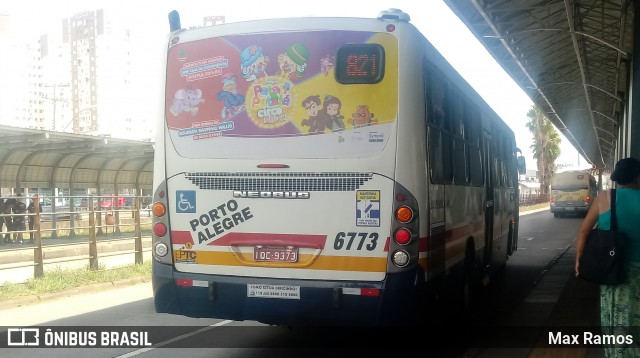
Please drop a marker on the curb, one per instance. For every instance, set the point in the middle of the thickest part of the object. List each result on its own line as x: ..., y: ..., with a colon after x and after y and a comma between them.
x: 96, y: 287
x: 533, y: 211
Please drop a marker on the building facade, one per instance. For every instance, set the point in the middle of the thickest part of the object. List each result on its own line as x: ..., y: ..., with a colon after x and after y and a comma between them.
x: 77, y: 77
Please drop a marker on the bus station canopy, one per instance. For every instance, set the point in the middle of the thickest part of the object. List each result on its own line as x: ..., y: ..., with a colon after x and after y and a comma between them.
x: 573, y: 59
x: 31, y: 158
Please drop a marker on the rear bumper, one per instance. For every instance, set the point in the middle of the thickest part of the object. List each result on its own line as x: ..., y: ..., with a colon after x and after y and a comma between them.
x: 569, y: 209
x: 320, y: 302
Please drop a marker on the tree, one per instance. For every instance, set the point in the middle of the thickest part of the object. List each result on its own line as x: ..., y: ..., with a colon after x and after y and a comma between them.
x: 545, y: 147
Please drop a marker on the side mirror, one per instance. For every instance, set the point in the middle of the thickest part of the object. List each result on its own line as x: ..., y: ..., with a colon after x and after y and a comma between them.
x: 522, y: 165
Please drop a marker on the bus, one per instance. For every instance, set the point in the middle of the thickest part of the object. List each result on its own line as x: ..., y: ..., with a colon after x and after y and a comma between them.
x: 325, y: 171
x: 572, y: 193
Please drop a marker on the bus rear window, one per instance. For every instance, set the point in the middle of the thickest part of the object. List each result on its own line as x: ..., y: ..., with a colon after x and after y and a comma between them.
x: 282, y: 94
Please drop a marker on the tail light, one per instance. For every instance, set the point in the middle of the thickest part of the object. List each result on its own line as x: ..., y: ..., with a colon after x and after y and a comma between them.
x: 552, y: 201
x: 161, y: 242
x: 404, y: 214
x: 160, y: 229
x: 404, y: 243
x: 402, y: 236
x: 588, y: 199
x: 158, y: 209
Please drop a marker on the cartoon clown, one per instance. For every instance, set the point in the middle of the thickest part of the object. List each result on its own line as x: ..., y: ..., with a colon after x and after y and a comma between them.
x: 233, y: 101
x: 293, y: 61
x: 253, y: 63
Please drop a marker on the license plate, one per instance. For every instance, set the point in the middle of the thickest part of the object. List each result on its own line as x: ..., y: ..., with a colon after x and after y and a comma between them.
x: 275, y: 254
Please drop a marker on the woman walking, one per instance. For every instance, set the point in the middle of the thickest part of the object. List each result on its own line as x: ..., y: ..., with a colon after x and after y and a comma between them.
x: 619, y: 304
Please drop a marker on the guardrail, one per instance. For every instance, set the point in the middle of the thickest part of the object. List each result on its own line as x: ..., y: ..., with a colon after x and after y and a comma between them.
x: 106, y: 226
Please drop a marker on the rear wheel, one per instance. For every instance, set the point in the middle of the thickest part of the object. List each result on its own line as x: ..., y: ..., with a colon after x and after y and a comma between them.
x: 471, y: 284
x: 511, y: 240
x: 420, y: 298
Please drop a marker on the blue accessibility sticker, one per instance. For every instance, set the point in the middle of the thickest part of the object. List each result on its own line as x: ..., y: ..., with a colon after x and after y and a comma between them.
x: 186, y: 201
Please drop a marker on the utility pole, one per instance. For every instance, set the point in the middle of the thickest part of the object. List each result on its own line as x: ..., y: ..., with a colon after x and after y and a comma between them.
x: 55, y: 100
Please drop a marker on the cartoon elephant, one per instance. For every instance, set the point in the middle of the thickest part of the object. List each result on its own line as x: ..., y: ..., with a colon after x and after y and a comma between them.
x: 186, y: 100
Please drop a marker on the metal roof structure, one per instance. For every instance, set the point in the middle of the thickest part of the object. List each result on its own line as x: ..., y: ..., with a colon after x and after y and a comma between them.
x: 571, y: 57
x: 31, y: 158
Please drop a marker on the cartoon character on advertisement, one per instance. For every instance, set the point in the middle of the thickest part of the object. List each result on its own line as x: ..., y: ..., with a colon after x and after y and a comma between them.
x: 327, y: 63
x: 316, y: 122
x: 362, y: 116
x: 293, y: 61
x: 253, y: 63
x: 331, y: 111
x: 233, y: 101
x: 186, y: 100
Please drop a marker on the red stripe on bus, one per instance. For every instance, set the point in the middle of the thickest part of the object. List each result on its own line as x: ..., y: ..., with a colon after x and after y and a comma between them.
x: 181, y: 237
x: 453, y: 236
x: 423, y: 244
x: 268, y: 239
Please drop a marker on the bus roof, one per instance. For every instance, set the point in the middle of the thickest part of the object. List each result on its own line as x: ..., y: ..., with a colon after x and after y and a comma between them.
x: 570, y: 176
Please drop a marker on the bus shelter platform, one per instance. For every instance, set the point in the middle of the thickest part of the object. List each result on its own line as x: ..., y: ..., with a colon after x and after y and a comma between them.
x: 570, y: 305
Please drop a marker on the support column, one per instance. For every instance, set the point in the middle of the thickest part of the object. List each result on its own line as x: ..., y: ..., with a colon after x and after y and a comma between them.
x: 633, y: 136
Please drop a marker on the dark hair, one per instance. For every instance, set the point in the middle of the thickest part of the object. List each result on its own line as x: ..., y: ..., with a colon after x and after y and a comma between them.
x: 626, y: 171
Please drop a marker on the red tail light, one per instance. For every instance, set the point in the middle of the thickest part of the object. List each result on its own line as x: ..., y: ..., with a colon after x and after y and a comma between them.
x: 402, y: 236
x: 588, y: 199
x: 552, y: 201
x: 159, y: 229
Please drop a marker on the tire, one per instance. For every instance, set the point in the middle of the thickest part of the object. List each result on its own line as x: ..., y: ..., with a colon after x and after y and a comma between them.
x: 420, y: 299
x: 471, y: 286
x: 510, y: 241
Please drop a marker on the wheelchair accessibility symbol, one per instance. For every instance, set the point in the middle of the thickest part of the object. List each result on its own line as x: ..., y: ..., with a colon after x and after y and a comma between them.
x: 185, y: 201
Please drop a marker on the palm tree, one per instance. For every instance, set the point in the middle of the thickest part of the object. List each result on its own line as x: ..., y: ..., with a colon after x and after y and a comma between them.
x: 545, y: 147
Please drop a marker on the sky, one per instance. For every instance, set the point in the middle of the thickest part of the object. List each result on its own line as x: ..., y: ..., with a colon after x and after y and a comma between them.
x: 432, y: 17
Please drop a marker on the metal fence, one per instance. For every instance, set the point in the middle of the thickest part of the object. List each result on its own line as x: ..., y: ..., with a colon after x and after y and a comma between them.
x: 532, y: 199
x: 72, y: 228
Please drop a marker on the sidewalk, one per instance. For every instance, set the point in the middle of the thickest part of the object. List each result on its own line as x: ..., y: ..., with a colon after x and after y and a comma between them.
x: 574, y: 304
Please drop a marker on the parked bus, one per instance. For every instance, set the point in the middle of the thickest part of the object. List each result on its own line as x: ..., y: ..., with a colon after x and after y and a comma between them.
x: 572, y: 192
x: 325, y: 171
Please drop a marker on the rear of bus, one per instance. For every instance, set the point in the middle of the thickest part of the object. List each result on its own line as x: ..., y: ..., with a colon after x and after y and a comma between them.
x: 572, y: 193
x: 275, y: 197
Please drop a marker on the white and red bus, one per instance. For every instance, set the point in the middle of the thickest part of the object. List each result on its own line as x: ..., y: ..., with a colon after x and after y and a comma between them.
x: 325, y: 171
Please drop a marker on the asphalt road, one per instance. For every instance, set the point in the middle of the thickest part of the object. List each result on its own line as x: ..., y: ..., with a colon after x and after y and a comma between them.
x: 542, y: 240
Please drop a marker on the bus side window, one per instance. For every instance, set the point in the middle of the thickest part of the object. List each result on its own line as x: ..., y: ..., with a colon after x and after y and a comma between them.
x: 460, y: 148
x: 503, y: 160
x: 473, y: 126
x: 510, y: 161
x: 494, y: 163
x: 439, y: 140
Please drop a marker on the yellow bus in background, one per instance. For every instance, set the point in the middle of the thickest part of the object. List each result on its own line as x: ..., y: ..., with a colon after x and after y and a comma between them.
x: 572, y: 192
